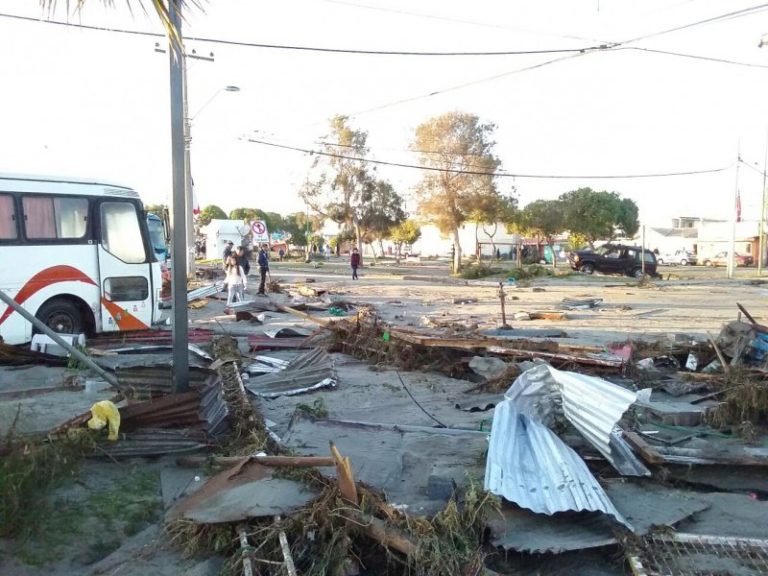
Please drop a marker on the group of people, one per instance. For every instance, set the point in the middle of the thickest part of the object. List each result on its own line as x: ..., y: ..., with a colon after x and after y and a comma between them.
x: 236, y: 269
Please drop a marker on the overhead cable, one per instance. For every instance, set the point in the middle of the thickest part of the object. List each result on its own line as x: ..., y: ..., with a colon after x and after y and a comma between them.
x: 499, y: 173
x: 224, y: 42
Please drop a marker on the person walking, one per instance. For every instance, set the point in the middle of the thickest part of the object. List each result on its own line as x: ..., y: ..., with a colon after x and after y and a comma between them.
x: 242, y: 259
x: 236, y: 280
x: 263, y: 267
x: 354, y: 261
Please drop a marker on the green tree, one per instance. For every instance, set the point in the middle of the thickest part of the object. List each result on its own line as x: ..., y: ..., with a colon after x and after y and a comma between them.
x: 341, y: 177
x: 248, y: 214
x: 209, y: 213
x: 457, y: 150
x: 300, y: 228
x: 543, y: 219
x: 487, y: 214
x: 407, y: 232
x: 158, y: 209
x: 599, y: 215
x: 381, y: 210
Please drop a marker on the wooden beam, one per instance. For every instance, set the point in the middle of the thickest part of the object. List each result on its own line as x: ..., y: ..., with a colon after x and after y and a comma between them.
x: 278, y: 461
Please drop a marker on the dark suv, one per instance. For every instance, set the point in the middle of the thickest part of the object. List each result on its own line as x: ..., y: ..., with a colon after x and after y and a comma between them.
x: 614, y: 259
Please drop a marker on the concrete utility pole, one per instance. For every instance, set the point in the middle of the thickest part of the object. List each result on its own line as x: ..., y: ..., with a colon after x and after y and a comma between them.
x: 732, y: 244
x: 180, y: 372
x: 761, y: 250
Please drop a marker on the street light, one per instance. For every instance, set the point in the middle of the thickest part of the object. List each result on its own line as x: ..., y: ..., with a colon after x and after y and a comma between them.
x: 190, y: 259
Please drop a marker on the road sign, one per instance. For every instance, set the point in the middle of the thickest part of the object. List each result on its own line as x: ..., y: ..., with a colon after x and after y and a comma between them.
x: 260, y: 233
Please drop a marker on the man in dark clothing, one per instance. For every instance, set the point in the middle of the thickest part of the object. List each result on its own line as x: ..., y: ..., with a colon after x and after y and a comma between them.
x: 354, y: 261
x: 228, y: 247
x: 242, y: 259
x: 263, y: 267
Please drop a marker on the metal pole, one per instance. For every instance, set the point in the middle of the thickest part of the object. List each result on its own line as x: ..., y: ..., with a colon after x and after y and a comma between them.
x: 732, y: 247
x: 642, y: 256
x: 189, y: 193
x: 59, y: 340
x: 180, y: 373
x: 761, y: 248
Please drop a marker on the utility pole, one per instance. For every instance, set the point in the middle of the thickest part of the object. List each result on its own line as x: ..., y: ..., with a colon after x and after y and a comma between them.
x: 732, y: 247
x: 180, y: 371
x: 188, y: 192
x: 761, y: 253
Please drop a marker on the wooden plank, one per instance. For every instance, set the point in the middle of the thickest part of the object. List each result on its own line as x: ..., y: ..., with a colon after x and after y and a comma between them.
x: 547, y: 315
x: 648, y: 453
x: 280, y: 461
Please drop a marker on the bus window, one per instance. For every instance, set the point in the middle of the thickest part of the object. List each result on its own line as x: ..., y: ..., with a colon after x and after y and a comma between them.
x: 121, y: 233
x: 8, y: 229
x: 157, y: 236
x: 121, y: 288
x: 49, y: 218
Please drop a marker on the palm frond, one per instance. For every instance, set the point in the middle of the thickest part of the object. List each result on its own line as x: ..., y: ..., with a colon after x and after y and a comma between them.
x: 160, y: 7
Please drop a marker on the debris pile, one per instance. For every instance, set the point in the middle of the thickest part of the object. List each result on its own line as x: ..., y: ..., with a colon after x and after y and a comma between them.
x: 357, y: 446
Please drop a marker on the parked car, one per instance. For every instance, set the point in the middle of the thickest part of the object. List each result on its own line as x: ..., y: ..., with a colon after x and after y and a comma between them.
x: 721, y: 259
x: 681, y: 257
x: 614, y: 259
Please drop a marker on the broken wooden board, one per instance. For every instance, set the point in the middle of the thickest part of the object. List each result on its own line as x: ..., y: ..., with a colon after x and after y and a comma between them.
x: 547, y: 315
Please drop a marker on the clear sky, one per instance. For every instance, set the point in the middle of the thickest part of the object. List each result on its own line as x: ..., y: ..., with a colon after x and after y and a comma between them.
x: 90, y: 103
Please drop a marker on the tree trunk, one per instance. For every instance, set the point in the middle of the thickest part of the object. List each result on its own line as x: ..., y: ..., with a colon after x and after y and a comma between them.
x: 457, y: 251
x: 373, y: 252
x: 381, y: 247
x: 478, y: 251
x: 554, y: 256
x: 358, y: 239
x: 519, y: 254
x: 398, y: 248
x: 493, y: 243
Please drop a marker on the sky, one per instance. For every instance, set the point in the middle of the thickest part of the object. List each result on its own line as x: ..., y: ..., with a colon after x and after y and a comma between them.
x: 79, y: 102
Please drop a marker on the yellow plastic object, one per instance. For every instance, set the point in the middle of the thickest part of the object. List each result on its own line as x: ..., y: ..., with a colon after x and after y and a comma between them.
x: 103, y: 413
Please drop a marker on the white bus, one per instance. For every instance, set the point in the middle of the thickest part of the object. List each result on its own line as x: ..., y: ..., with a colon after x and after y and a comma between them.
x: 77, y: 254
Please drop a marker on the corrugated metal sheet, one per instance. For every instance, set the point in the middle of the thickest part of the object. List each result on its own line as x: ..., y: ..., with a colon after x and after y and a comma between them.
x: 154, y: 443
x: 529, y: 465
x: 205, y: 410
x: 148, y: 381
x: 266, y: 364
x: 307, y: 372
x: 591, y: 404
x: 204, y: 291
x: 196, y: 335
x: 262, y: 342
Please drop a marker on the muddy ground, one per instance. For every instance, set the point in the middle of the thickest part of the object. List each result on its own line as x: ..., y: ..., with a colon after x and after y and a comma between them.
x: 107, y: 518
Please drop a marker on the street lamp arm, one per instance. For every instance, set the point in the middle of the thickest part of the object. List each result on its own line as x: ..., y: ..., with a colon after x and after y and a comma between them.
x: 211, y: 99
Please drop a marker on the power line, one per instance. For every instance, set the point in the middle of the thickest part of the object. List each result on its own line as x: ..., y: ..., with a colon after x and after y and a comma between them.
x: 462, y: 21
x: 500, y: 174
x: 692, y: 56
x: 224, y: 42
x: 713, y: 19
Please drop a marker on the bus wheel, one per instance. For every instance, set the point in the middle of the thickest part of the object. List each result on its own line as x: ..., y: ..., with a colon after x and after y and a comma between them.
x: 61, y: 316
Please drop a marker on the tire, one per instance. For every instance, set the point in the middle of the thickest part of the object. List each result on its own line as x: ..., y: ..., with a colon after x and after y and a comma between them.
x: 587, y: 268
x: 61, y: 316
x: 683, y: 262
x: 707, y: 263
x: 638, y: 273
x: 660, y: 261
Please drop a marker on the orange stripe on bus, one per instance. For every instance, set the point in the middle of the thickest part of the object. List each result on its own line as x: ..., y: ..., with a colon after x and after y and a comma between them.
x: 124, y: 320
x: 43, y: 279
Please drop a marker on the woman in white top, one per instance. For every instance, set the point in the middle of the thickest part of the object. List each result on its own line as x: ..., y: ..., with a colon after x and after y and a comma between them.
x: 235, y: 279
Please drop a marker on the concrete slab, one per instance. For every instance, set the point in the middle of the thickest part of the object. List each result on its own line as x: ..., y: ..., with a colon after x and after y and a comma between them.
x: 249, y: 491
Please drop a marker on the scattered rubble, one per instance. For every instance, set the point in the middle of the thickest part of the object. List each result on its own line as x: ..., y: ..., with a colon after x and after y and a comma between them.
x: 357, y: 444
